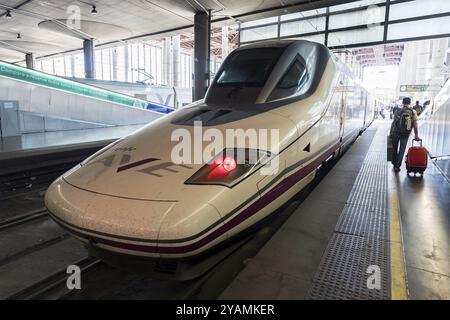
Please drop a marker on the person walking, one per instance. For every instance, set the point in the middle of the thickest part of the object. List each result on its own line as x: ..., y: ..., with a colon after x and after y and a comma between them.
x: 405, y: 120
x: 418, y: 108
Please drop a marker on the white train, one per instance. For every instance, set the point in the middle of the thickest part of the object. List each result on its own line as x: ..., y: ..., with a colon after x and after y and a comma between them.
x: 131, y: 200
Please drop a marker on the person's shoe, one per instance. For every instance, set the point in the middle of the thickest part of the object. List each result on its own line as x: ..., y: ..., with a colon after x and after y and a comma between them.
x: 396, y: 170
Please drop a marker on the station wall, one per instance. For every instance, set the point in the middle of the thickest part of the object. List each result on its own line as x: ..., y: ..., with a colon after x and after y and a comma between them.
x: 66, y: 111
x: 435, y: 129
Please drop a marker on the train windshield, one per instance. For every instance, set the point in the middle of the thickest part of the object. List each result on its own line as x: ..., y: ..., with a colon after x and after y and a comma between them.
x: 248, y: 68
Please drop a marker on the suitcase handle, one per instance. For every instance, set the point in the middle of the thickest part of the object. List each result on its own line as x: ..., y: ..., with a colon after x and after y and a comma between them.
x: 419, y: 140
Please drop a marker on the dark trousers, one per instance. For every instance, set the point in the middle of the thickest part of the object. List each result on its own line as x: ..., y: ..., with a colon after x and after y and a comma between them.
x: 399, y: 142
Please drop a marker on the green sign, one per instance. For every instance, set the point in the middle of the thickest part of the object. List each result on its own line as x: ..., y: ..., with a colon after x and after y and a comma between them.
x: 45, y: 80
x: 414, y: 88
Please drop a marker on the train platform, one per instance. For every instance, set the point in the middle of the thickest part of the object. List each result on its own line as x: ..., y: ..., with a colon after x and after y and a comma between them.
x: 31, y: 144
x: 363, y: 233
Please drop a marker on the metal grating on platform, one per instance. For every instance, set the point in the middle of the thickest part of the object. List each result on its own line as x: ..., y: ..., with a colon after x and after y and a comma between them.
x: 361, y: 237
x: 343, y: 270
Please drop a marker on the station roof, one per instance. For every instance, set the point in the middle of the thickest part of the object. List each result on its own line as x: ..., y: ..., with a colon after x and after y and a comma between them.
x: 380, y: 55
x: 45, y: 27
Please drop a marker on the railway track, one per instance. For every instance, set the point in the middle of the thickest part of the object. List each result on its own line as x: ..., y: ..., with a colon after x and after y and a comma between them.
x: 18, y: 184
x: 23, y: 218
x: 27, y: 173
x: 106, y: 282
x: 55, y: 285
x: 101, y: 281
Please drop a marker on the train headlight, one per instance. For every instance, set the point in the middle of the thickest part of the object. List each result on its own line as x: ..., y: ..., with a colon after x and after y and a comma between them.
x: 230, y: 167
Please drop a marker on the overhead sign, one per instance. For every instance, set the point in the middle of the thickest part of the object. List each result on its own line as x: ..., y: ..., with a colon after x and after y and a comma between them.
x: 414, y: 88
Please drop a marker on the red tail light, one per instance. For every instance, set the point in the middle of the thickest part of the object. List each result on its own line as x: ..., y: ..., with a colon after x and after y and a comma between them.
x: 229, y: 164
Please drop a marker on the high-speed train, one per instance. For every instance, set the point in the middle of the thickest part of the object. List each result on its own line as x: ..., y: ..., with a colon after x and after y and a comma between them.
x: 131, y: 199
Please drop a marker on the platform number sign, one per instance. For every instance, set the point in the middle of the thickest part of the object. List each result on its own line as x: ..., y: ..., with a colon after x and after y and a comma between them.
x: 374, y: 278
x: 74, y: 278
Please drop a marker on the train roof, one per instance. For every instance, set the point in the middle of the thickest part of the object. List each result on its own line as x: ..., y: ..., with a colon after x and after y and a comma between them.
x: 281, y: 44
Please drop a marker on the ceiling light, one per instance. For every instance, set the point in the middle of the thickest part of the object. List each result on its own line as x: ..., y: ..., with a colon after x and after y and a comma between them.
x: 94, y: 10
x: 8, y: 14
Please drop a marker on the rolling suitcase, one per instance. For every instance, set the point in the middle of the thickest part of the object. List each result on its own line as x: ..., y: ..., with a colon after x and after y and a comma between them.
x: 416, y: 159
x: 390, y: 149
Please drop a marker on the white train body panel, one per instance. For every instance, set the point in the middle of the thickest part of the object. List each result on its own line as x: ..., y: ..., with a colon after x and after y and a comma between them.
x: 132, y: 198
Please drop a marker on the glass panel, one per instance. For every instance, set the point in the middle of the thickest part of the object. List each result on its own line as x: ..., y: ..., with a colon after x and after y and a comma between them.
x: 141, y: 65
x: 291, y: 83
x: 68, y: 62
x: 79, y: 65
x: 419, y: 28
x: 370, y: 16
x: 418, y: 8
x: 302, y: 26
x: 249, y: 67
x: 355, y: 36
x: 158, y: 54
x: 293, y: 77
x: 147, y: 63
x: 259, y: 33
x: 120, y: 63
x: 106, y: 64
x: 319, y: 38
x: 59, y: 66
x: 356, y: 4
x: 38, y: 65
x: 153, y: 65
x: 134, y: 62
x: 98, y: 64
x: 299, y: 15
x: 47, y: 66
x: 259, y: 22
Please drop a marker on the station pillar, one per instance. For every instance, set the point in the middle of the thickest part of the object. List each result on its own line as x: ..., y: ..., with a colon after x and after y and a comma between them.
x: 202, y: 30
x: 225, y: 42
x: 176, y: 48
x: 114, y: 64
x: 29, y: 60
x: 89, y: 61
x: 166, y: 61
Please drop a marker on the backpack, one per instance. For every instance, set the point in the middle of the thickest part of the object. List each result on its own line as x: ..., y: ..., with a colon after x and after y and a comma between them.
x: 404, y: 121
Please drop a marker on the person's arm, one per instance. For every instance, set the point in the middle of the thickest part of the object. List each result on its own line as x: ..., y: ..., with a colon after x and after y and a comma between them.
x: 416, y: 131
x: 415, y: 126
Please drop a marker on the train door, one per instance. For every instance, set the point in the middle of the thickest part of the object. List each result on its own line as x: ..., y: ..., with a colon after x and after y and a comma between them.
x: 364, y: 101
x: 342, y: 89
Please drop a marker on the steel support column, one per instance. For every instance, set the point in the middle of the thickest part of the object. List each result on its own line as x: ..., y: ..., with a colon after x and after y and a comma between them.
x: 89, y: 60
x: 29, y: 60
x: 176, y: 50
x: 202, y: 30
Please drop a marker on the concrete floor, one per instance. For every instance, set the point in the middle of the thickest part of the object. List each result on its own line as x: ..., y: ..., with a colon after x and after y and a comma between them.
x: 284, y: 268
x: 425, y: 215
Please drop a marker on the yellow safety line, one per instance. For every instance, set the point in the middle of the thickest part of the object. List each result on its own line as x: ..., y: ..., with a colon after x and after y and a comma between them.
x: 398, y: 274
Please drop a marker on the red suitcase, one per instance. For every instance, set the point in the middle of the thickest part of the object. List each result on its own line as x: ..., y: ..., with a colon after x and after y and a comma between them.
x: 416, y: 159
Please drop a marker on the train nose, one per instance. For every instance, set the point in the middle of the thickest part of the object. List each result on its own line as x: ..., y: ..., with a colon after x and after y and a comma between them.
x: 91, y: 215
x: 133, y: 226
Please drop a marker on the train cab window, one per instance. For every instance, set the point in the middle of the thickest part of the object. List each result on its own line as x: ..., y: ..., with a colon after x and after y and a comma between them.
x: 291, y: 83
x: 248, y: 68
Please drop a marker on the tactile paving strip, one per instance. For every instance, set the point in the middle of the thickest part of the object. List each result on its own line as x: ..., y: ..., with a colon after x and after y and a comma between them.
x: 343, y: 272
x: 359, y: 244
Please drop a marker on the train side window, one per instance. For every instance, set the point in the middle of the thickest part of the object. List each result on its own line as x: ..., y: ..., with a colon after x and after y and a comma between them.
x: 291, y: 83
